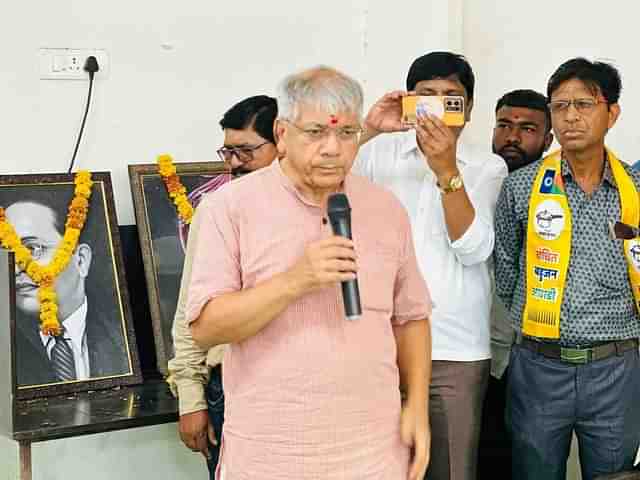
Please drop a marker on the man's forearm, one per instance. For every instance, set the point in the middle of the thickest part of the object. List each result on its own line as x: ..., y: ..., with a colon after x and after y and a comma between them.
x: 236, y: 316
x: 413, y: 342
x: 458, y: 213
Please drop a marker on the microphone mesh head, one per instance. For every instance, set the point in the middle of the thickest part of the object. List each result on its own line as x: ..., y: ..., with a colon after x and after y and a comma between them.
x: 338, y: 202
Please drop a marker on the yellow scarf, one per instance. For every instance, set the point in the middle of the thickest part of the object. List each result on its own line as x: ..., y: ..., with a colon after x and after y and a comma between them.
x: 549, y: 244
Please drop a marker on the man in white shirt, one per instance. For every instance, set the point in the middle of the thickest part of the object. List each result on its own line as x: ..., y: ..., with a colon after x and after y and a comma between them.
x: 450, y: 194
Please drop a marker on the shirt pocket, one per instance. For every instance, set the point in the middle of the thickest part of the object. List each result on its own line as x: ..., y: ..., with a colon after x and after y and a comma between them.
x: 376, y: 281
x: 611, y: 267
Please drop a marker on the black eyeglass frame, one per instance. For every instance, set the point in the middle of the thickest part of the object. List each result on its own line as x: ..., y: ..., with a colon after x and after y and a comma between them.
x: 243, y: 154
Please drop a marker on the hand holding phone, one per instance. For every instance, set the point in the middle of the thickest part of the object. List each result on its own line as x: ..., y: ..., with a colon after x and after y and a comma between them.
x: 449, y: 109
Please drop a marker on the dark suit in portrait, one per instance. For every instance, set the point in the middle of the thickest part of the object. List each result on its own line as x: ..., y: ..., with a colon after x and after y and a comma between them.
x: 105, y: 345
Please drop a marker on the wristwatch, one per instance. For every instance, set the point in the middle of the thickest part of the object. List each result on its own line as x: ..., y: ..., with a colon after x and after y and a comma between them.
x: 453, y: 184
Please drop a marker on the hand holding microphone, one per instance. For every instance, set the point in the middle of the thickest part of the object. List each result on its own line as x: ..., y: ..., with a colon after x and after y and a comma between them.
x: 330, y: 260
x: 325, y: 262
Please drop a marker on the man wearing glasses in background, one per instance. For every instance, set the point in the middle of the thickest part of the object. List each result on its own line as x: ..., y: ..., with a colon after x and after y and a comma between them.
x: 572, y: 288
x: 195, y: 373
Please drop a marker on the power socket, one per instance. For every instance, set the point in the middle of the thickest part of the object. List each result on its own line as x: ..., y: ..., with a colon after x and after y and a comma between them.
x: 68, y: 63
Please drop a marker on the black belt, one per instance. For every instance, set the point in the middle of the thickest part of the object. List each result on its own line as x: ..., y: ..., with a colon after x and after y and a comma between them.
x: 579, y: 355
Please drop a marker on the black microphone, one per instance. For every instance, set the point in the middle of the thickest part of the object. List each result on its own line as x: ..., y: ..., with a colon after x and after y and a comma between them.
x: 340, y: 217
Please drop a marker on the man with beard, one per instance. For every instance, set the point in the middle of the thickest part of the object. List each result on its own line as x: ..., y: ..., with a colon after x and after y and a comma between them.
x: 521, y: 135
x: 195, y: 373
x: 523, y: 128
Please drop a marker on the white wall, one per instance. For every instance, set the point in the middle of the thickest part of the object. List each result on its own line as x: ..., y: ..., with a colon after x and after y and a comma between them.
x: 518, y: 44
x: 175, y: 67
x: 8, y: 459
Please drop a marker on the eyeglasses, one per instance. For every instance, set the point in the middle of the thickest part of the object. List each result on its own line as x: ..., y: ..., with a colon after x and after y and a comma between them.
x: 582, y: 105
x: 348, y: 133
x: 37, y: 249
x: 243, y: 154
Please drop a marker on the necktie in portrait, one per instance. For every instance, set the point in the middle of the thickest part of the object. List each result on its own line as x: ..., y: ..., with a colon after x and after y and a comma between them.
x: 62, y: 360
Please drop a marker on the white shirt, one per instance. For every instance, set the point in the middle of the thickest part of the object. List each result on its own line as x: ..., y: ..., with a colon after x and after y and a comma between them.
x: 75, y: 331
x: 457, y: 272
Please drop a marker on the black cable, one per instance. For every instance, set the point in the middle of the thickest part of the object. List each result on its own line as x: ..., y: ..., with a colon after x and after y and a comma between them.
x: 90, y: 66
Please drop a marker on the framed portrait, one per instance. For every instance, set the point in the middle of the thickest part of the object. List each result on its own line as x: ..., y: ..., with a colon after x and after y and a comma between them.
x: 163, y: 238
x: 97, y: 348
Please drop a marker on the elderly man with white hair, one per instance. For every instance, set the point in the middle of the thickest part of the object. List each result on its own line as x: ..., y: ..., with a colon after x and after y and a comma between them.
x: 310, y: 394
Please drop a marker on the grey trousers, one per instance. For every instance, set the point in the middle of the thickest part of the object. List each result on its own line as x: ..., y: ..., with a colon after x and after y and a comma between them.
x: 548, y: 399
x: 456, y: 396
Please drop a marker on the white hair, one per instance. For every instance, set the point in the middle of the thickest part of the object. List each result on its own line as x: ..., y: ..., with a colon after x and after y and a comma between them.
x: 321, y: 87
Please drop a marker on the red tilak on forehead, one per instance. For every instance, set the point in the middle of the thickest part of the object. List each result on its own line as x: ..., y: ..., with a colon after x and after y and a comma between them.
x: 333, y: 119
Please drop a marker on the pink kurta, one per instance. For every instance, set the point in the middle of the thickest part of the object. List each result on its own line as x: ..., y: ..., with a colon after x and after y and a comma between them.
x: 312, y: 395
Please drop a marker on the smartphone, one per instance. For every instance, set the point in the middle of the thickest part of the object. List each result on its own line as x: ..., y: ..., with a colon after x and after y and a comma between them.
x: 449, y: 109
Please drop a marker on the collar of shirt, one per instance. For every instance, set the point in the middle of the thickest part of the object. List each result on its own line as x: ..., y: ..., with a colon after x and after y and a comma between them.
x: 288, y: 184
x: 74, y: 328
x: 607, y: 174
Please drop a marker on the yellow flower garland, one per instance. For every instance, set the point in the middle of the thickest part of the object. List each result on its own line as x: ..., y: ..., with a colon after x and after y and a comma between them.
x: 45, y: 275
x: 177, y: 191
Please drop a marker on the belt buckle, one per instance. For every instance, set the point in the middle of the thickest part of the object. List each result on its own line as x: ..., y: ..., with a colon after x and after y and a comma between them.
x: 576, y: 355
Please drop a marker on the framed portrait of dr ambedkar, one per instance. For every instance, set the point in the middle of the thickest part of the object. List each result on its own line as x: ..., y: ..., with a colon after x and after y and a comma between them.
x: 163, y: 238
x: 73, y: 329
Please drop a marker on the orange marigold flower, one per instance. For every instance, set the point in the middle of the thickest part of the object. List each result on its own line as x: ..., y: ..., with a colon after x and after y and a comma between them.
x: 173, y: 180
x: 51, y: 327
x: 185, y: 210
x: 78, y: 210
x: 48, y: 308
x: 165, y: 165
x: 47, y: 295
x: 83, y: 190
x: 71, y: 234
x: 82, y: 176
x: 46, y: 277
x: 165, y: 158
x: 166, y: 170
x: 75, y: 223
x: 5, y: 230
x: 23, y: 255
x: 35, y: 272
x: 79, y: 202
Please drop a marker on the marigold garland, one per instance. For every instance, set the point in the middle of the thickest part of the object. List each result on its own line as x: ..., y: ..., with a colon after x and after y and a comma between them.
x: 177, y: 192
x: 45, y: 275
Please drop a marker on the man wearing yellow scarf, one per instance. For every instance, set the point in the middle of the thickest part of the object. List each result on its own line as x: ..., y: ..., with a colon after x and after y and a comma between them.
x: 572, y: 290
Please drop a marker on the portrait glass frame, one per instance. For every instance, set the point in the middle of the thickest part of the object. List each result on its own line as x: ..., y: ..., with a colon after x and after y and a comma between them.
x: 109, y: 349
x: 160, y: 241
